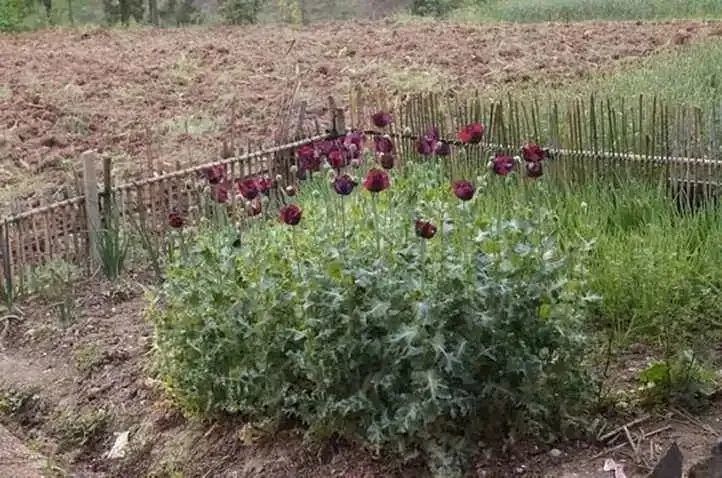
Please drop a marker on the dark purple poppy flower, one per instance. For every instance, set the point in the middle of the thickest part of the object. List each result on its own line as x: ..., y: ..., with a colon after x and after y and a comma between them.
x: 214, y: 174
x: 534, y: 169
x: 290, y: 190
x: 377, y: 180
x: 425, y: 229
x: 344, y: 185
x: 387, y: 160
x: 248, y: 188
x: 264, y: 184
x: 472, y: 133
x: 426, y: 144
x: 175, y: 220
x: 305, y: 153
x: 425, y: 147
x: 502, y: 164
x: 254, y: 207
x: 355, y: 139
x: 442, y: 149
x: 432, y: 134
x: 381, y: 119
x: 533, y: 152
x: 463, y: 190
x: 291, y: 214
x: 383, y: 144
x: 219, y: 192
x: 337, y: 158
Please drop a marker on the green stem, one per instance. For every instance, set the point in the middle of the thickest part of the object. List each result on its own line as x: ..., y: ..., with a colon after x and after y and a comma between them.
x: 374, y: 198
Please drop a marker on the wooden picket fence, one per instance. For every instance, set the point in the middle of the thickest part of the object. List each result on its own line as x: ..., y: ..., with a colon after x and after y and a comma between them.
x: 65, y: 230
x: 592, y: 137
x: 587, y: 138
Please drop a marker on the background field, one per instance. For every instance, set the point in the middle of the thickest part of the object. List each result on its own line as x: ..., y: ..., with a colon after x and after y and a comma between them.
x: 171, y: 96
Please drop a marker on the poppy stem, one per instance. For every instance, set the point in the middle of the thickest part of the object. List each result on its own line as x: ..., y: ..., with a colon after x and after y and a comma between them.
x: 343, y: 220
x: 376, y: 223
x: 295, y: 251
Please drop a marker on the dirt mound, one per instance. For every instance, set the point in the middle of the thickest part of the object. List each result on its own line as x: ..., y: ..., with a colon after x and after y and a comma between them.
x: 155, y: 98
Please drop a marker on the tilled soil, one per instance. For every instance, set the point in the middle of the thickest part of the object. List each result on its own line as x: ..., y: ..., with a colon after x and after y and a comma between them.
x: 151, y: 99
x: 69, y: 388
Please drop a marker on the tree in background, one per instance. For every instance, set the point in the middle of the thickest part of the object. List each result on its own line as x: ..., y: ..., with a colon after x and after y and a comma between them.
x: 238, y: 12
x: 436, y: 8
x: 122, y: 11
x: 12, y: 14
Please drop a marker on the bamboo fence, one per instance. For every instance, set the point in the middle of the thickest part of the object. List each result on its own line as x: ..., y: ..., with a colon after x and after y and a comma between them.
x: 63, y: 231
x: 589, y: 138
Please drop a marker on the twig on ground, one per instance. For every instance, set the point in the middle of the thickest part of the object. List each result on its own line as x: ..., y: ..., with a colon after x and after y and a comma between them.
x: 622, y: 445
x: 619, y: 430
x: 694, y: 421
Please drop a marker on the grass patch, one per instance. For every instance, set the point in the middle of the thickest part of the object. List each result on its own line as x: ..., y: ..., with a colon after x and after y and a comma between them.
x: 580, y: 10
x: 77, y: 429
x: 689, y: 75
x: 88, y: 357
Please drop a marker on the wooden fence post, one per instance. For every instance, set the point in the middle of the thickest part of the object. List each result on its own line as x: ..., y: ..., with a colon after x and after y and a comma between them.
x: 107, y: 188
x: 6, y: 272
x: 92, y: 212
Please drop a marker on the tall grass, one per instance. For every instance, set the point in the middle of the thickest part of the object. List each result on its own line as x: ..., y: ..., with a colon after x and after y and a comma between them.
x: 579, y: 10
x: 689, y: 75
x: 657, y: 270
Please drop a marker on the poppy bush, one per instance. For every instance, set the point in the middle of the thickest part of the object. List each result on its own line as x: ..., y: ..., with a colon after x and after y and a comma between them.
x: 395, y: 314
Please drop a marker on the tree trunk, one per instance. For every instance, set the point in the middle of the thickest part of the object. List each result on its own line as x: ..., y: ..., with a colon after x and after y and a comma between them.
x: 153, y: 12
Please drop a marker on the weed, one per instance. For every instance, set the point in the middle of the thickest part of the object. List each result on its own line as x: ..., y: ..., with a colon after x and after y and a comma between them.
x: 112, y: 243
x: 76, y: 429
x: 680, y: 379
x: 88, y: 357
x: 14, y: 401
x: 54, y: 283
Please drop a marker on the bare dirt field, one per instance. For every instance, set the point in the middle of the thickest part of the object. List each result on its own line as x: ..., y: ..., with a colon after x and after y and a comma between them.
x: 164, y: 97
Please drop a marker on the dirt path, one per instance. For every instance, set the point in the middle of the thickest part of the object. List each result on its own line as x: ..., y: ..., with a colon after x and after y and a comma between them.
x: 165, y: 96
x: 16, y: 460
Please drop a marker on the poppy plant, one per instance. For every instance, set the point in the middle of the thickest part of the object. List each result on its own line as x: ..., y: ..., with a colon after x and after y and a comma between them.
x: 386, y: 160
x: 354, y: 142
x: 381, y: 119
x: 214, y: 174
x: 291, y: 214
x: 426, y: 144
x: 533, y: 152
x: 383, y: 145
x: 219, y: 192
x: 265, y: 184
x: 254, y: 207
x: 463, y: 190
x: 344, y: 185
x: 442, y: 149
x: 471, y: 133
x: 305, y: 153
x: 336, y: 158
x: 175, y: 220
x: 425, y: 229
x: 290, y: 190
x: 377, y: 180
x: 502, y: 164
x: 248, y: 188
x: 534, y: 169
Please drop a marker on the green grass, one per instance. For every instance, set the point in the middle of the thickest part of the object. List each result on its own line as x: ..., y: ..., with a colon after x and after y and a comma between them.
x: 580, y: 10
x: 690, y: 75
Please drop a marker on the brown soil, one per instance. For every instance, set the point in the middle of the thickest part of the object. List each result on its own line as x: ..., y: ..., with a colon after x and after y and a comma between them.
x: 85, y: 382
x: 161, y: 97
